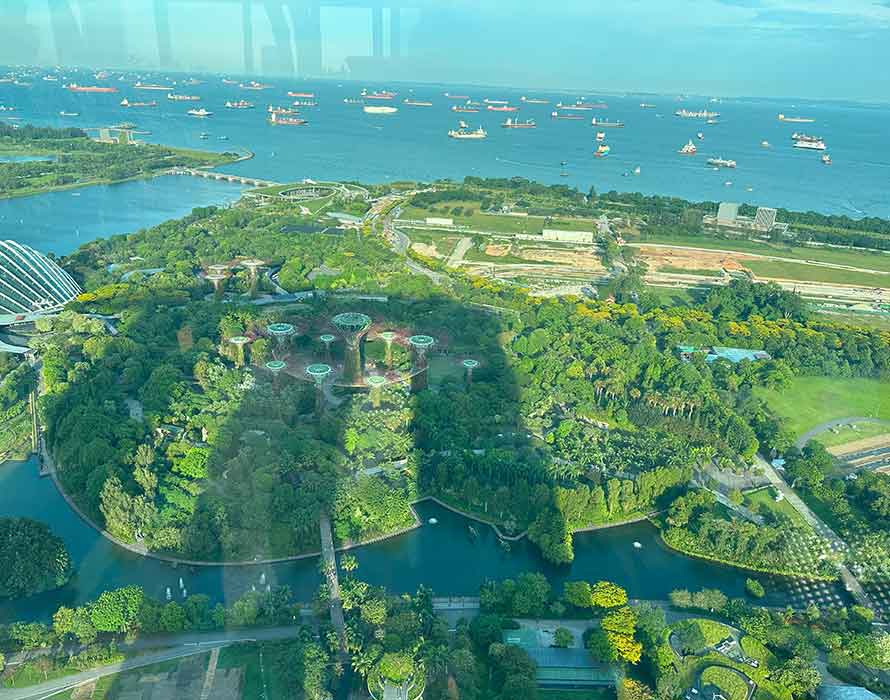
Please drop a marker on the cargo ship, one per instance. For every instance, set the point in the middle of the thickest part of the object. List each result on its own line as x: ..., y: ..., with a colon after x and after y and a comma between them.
x: 533, y: 100
x: 286, y: 121
x: 606, y: 124
x: 126, y: 103
x: 572, y: 117
x: 304, y: 103
x: 647, y: 105
x: 228, y: 81
x: 796, y: 120
x: 800, y: 136
x: 74, y: 87
x: 688, y: 150
x: 254, y: 85
x: 701, y: 114
x: 152, y: 86
x: 200, y: 113
x: 502, y: 108
x: 581, y: 106
x: 307, y: 95
x: 464, y: 132
x: 456, y: 97
x: 495, y: 102
x: 464, y: 109
x: 380, y: 95
x: 240, y: 104
x: 280, y: 111
x: 379, y: 109
x: 721, y: 163
x: 810, y: 144
x: 417, y: 103
x: 182, y: 98
x: 514, y: 124
x: 351, y: 101
x: 602, y: 151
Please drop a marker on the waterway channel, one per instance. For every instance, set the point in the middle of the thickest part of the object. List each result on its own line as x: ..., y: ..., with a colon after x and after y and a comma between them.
x: 443, y: 556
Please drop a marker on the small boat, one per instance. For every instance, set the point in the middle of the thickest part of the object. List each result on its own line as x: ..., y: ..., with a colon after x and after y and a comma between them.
x: 200, y: 113
x: 600, y: 135
x: 433, y: 521
x: 471, y: 531
x: 504, y: 544
x: 826, y: 159
x: 240, y: 104
x: 204, y: 136
x: 765, y: 144
x: 602, y: 151
x: 637, y: 170
x: 728, y: 183
x: 701, y: 136
x: 223, y: 138
x: 688, y: 150
x: 563, y: 174
x: 63, y: 113
x: 721, y: 163
x: 254, y: 85
x: 647, y: 105
x: 637, y: 545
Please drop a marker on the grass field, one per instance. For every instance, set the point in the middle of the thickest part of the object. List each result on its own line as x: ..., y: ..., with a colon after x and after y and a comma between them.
x: 763, y: 498
x: 778, y: 269
x: 810, y: 401
x: 866, y: 259
x: 732, y: 687
x: 495, y: 223
x: 845, y: 434
x: 671, y: 270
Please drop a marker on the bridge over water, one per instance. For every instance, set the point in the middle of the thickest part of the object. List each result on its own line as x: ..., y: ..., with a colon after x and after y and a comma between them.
x: 224, y: 177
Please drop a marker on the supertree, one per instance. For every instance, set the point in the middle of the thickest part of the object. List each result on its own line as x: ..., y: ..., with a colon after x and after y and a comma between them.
x: 327, y: 339
x: 253, y: 267
x: 419, y: 368
x: 352, y: 326
x: 387, y: 337
x: 239, y: 341
x: 469, y: 366
x: 281, y: 332
x: 376, y: 383
x: 276, y: 367
x: 319, y: 372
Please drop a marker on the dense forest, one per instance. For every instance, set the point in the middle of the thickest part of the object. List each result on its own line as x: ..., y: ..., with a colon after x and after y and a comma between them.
x: 17, y: 379
x: 32, y: 558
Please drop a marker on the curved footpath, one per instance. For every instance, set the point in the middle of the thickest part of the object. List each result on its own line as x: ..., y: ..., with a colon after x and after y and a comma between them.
x: 828, y: 425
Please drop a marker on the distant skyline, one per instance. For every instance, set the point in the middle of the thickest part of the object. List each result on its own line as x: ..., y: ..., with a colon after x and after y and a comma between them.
x: 816, y: 49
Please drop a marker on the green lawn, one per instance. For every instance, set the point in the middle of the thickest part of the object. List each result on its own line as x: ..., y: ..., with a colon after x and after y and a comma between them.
x: 731, y: 686
x: 845, y: 433
x: 495, y: 223
x: 266, y: 682
x: 713, y: 632
x: 669, y: 297
x: 755, y: 500
x: 671, y: 270
x: 809, y: 401
x: 813, y: 273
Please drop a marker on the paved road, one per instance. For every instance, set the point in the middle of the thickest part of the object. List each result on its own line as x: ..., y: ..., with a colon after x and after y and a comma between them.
x: 837, y: 545
x: 828, y: 425
x: 457, y: 255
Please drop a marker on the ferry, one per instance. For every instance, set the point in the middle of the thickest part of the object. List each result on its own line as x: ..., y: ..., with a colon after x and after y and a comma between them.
x: 573, y: 117
x: 796, y: 120
x: 151, y: 86
x: 281, y: 110
x: 307, y: 95
x: 74, y: 87
x: 126, y: 103
x: 464, y: 109
x: 286, y: 121
x: 533, y: 100
x: 381, y: 95
x: 600, y: 135
x: 721, y: 163
x: 826, y: 159
x: 63, y: 113
x: 416, y: 103
x: 182, y: 98
x: 240, y: 104
x: 701, y: 114
x: 502, y: 108
x: 200, y: 113
x: 689, y: 149
x: 811, y: 145
x: 254, y: 85
x: 464, y: 132
x: 582, y: 106
x: 379, y: 109
x: 602, y: 151
x: 515, y: 124
x: 606, y: 124
x: 456, y: 97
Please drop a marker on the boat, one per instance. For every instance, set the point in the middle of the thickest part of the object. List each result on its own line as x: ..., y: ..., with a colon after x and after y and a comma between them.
x: 700, y: 114
x: 380, y: 95
x: 126, y: 126
x: 800, y: 136
x: 495, y: 102
x: 227, y: 81
x: 182, y: 98
x: 281, y: 111
x: 580, y: 105
x: 602, y: 151
x: 456, y: 97
x: 711, y: 121
x: 304, y: 103
x: 765, y: 144
x: 74, y: 87
x: 240, y: 104
x: 721, y: 163
x: 51, y: 78
x: 416, y: 103
x: 464, y: 109
x: 379, y: 109
x: 810, y: 144
x: 600, y: 135
x: 151, y: 86
x: 191, y: 81
x: 286, y: 121
x: 689, y: 149
x: 254, y: 85
x: 432, y: 521
x: 533, y: 100
x: 203, y: 136
x: 471, y: 531
x: 646, y: 105
x: 701, y: 136
x: 573, y: 117
x: 606, y: 124
x: 307, y: 95
x: 826, y: 159
x: 505, y: 545
x: 200, y: 113
x: 4, y: 108
x: 464, y: 132
x: 223, y: 138
x: 502, y: 108
x: 796, y: 120
x: 563, y: 174
x: 63, y: 113
x: 637, y: 170
x: 352, y: 101
x: 126, y: 103
x: 511, y: 123
x: 637, y: 545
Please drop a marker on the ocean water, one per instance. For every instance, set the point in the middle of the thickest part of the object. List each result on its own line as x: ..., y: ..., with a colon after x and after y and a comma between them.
x: 341, y: 142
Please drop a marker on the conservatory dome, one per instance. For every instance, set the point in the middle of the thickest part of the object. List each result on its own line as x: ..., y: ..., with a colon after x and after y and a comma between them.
x: 30, y: 283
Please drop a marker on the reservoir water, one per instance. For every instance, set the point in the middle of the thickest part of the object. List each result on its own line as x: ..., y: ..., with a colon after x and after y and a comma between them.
x: 442, y: 556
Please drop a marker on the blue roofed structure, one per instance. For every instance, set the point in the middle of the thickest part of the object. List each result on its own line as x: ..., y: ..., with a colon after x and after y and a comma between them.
x: 557, y: 667
x: 844, y: 692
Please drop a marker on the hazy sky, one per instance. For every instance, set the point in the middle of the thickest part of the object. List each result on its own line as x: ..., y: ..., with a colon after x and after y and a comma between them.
x: 785, y: 48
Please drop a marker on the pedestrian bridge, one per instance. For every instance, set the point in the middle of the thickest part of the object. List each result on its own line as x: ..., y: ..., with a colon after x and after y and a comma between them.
x: 224, y: 177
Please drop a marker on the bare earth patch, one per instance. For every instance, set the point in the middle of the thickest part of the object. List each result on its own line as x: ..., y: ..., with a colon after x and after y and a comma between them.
x: 426, y: 250
x: 871, y: 443
x: 497, y: 250
x: 692, y: 259
x: 576, y: 258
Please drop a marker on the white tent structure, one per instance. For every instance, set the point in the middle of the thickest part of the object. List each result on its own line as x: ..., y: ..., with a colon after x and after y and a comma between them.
x: 31, y: 284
